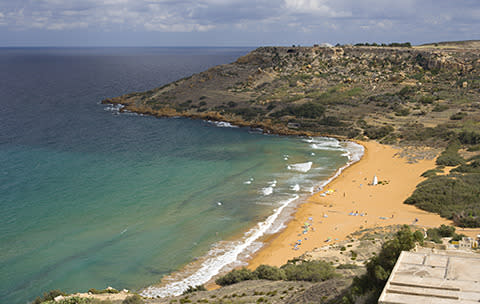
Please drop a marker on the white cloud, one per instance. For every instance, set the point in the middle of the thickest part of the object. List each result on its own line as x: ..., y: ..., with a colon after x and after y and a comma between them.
x: 358, y: 18
x: 315, y: 7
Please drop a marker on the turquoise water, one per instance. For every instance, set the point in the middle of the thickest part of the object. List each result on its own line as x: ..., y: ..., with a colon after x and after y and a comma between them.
x: 90, y: 198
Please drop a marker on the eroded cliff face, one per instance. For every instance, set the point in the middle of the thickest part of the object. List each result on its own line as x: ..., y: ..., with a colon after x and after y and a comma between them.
x: 379, y: 92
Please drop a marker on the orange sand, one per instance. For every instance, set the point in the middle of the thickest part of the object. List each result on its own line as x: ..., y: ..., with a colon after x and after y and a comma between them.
x: 353, y: 193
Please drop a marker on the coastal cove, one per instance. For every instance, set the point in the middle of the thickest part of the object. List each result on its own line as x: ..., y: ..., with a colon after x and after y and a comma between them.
x: 162, y: 187
x: 92, y: 198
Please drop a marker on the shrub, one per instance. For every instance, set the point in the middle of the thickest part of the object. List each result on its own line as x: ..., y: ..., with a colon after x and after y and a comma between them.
x: 314, y: 271
x: 434, y: 236
x: 472, y: 167
x: 418, y: 236
x: 331, y: 121
x: 469, y: 138
x: 377, y: 132
x: 431, y: 172
x: 77, y: 300
x: 247, y: 113
x: 450, y: 156
x: 446, y: 231
x: 235, y: 276
x: 402, y: 111
x: 232, y: 104
x: 347, y: 266
x: 454, y: 197
x: 426, y: 99
x: 306, y: 110
x: 370, y: 285
x: 191, y: 289
x: 458, y: 116
x: 407, y: 91
x: 440, y: 108
x: 474, y: 148
x: 49, y: 296
x: 135, y: 299
x: 107, y: 290
x: 266, y: 272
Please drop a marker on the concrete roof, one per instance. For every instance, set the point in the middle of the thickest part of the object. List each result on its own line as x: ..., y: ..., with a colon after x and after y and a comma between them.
x: 433, y: 277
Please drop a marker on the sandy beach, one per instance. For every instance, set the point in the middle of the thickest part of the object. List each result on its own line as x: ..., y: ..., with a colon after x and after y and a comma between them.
x: 353, y: 204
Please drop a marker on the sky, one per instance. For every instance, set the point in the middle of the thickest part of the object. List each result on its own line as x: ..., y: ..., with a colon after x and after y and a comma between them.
x: 234, y: 22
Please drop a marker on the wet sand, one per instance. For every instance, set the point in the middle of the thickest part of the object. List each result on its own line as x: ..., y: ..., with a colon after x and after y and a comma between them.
x: 352, y: 205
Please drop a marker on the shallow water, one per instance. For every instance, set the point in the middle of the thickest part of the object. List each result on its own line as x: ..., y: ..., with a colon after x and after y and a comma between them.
x: 90, y: 198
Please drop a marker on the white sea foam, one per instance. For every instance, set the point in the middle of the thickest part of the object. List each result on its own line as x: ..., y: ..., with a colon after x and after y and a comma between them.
x: 213, y: 266
x: 222, y: 124
x: 354, y: 153
x: 308, y: 189
x: 115, y: 108
x: 324, y: 143
x: 295, y: 187
x: 301, y: 167
x: 267, y: 191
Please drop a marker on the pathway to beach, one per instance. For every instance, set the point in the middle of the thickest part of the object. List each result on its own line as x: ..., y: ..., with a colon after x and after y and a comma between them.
x: 351, y: 203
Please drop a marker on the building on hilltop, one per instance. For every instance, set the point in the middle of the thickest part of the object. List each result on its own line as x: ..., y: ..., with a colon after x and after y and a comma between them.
x: 441, y: 277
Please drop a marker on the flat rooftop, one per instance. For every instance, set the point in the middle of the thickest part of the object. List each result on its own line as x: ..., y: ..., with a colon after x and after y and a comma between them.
x: 433, y: 277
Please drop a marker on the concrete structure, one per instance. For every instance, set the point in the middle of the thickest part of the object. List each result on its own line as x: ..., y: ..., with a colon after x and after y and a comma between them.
x: 434, y: 277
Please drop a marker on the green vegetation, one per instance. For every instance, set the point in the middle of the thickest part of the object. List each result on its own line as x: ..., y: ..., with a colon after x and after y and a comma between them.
x: 78, y: 300
x: 454, y: 196
x: 107, y: 290
x: 469, y: 137
x: 431, y: 172
x: 294, y: 270
x: 313, y: 271
x: 393, y: 44
x: 191, y: 289
x: 440, y: 108
x: 450, y: 156
x: 235, y: 276
x: 458, y: 116
x: 436, y: 234
x: 247, y: 113
x: 49, y: 296
x: 135, y: 299
x: 266, y: 272
x: 377, y: 132
x: 347, y: 266
x: 307, y: 110
x: 370, y: 285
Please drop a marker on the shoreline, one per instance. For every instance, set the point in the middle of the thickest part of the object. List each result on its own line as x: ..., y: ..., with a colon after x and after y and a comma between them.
x: 328, y: 216
x: 205, y: 269
x: 277, y: 248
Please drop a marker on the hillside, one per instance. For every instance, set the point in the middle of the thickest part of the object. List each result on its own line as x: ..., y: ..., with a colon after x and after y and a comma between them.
x: 393, y: 94
x: 425, y: 95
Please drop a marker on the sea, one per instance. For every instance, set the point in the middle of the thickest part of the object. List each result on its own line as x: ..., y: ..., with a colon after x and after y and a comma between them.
x: 91, y: 197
